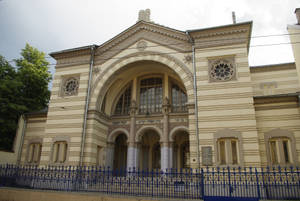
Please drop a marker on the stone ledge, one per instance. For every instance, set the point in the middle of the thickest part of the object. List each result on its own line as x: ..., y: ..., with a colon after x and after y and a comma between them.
x: 18, y: 194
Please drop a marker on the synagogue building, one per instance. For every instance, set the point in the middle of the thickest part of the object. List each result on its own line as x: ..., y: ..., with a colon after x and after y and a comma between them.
x: 154, y: 97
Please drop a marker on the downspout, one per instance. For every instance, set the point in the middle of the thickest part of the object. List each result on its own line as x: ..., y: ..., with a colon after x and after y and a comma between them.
x: 21, y: 140
x: 87, y: 100
x: 195, y: 94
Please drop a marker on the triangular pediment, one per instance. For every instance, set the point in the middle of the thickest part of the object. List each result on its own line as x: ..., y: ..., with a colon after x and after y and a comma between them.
x: 157, y: 34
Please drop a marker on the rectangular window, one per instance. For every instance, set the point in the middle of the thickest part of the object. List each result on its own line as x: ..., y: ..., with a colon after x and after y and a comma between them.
x: 60, y: 152
x: 234, y: 152
x: 285, y: 151
x: 273, y: 150
x: 228, y: 151
x: 222, y: 152
x: 34, y: 153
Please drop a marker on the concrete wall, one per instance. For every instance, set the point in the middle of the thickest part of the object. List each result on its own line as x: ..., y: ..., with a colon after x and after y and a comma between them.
x: 35, y: 130
x: 275, y: 79
x: 65, y: 113
x: 227, y: 105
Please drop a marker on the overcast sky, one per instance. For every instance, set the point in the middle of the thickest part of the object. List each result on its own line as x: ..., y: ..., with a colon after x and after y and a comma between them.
x: 53, y: 25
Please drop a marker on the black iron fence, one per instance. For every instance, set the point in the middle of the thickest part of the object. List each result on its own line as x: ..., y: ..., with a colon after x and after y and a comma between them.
x: 205, y: 183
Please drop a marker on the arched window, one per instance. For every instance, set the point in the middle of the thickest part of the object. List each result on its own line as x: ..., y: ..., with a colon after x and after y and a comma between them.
x: 179, y: 99
x: 123, y: 104
x: 150, y: 95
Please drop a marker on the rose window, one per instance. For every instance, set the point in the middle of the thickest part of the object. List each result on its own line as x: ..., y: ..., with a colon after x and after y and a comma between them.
x: 71, y: 86
x: 222, y: 70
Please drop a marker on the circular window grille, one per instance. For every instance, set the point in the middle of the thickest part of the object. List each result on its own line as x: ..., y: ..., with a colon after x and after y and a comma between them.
x: 71, y: 86
x: 222, y: 70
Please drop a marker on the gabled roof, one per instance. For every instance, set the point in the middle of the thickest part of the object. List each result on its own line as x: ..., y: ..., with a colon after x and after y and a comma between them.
x: 167, y: 32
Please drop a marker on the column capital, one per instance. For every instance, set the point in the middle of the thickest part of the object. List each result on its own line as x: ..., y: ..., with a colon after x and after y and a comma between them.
x: 166, y: 106
x: 133, y: 108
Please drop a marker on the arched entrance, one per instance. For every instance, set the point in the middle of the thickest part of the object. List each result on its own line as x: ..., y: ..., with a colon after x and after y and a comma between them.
x: 120, y: 152
x: 181, y: 150
x: 150, y: 151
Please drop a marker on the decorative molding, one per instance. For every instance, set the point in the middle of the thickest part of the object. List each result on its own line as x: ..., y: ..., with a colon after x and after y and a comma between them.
x: 137, y: 54
x: 221, y: 69
x: 114, y: 134
x: 141, y: 45
x: 141, y: 131
x: 175, y: 130
x: 188, y: 59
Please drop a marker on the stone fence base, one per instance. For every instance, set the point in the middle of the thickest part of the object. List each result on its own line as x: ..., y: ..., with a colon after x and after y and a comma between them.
x: 16, y: 194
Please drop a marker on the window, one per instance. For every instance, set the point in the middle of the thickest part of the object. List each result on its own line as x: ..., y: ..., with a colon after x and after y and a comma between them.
x: 280, y: 147
x: 280, y: 150
x: 228, y: 151
x: 34, y: 153
x: 123, y: 104
x: 221, y: 69
x: 70, y: 86
x: 60, y: 151
x: 179, y: 99
x: 150, y: 95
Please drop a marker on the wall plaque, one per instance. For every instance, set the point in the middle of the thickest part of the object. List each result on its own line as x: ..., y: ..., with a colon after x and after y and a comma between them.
x: 206, y: 155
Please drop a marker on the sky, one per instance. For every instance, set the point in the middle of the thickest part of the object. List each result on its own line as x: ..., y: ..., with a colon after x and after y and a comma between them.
x: 54, y: 25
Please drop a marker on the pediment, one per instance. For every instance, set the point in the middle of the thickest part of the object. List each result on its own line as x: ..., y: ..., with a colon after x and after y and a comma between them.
x: 157, y: 34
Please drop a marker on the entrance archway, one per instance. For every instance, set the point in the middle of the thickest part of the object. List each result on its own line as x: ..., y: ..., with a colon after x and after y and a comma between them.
x: 181, y: 150
x: 120, y: 152
x: 150, y: 150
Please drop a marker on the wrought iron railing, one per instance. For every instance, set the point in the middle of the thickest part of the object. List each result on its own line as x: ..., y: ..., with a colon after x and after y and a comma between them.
x: 260, y: 183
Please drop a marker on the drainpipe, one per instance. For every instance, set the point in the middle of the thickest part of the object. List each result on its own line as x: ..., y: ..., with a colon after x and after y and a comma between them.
x: 22, y: 139
x: 87, y: 104
x: 195, y: 94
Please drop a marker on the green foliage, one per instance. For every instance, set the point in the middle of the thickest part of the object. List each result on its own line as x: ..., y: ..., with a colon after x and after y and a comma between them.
x: 22, y: 90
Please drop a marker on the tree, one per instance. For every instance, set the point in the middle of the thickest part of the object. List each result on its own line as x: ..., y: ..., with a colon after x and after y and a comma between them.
x: 10, y: 108
x: 34, y: 75
x: 22, y: 90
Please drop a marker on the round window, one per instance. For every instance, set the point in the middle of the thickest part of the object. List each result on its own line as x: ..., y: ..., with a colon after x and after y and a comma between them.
x: 222, y: 70
x: 71, y: 86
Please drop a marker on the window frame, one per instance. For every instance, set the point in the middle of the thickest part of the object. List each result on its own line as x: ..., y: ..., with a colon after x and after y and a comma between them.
x: 228, y: 136
x: 60, y: 139
x: 116, y: 100
x: 183, y: 107
x: 139, y: 92
x: 33, y: 142
x: 279, y: 136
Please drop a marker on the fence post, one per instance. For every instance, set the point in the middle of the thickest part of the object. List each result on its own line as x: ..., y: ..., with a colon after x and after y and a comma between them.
x: 229, y: 183
x: 152, y: 182
x: 257, y: 183
x: 202, y: 183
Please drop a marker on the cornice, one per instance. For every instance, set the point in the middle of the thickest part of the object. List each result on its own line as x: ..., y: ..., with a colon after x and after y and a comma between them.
x: 272, y: 67
x: 220, y: 33
x: 140, y: 26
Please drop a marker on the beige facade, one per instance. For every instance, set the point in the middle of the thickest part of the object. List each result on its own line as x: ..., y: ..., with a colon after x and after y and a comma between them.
x: 136, y: 101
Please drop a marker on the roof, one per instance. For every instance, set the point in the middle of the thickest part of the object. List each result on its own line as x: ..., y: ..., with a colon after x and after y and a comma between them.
x: 222, y: 26
x: 183, y: 33
x: 273, y: 67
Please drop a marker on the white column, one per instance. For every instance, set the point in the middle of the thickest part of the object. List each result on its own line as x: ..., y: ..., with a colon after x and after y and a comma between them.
x: 132, y: 157
x: 110, y: 156
x: 170, y: 157
x: 164, y: 152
